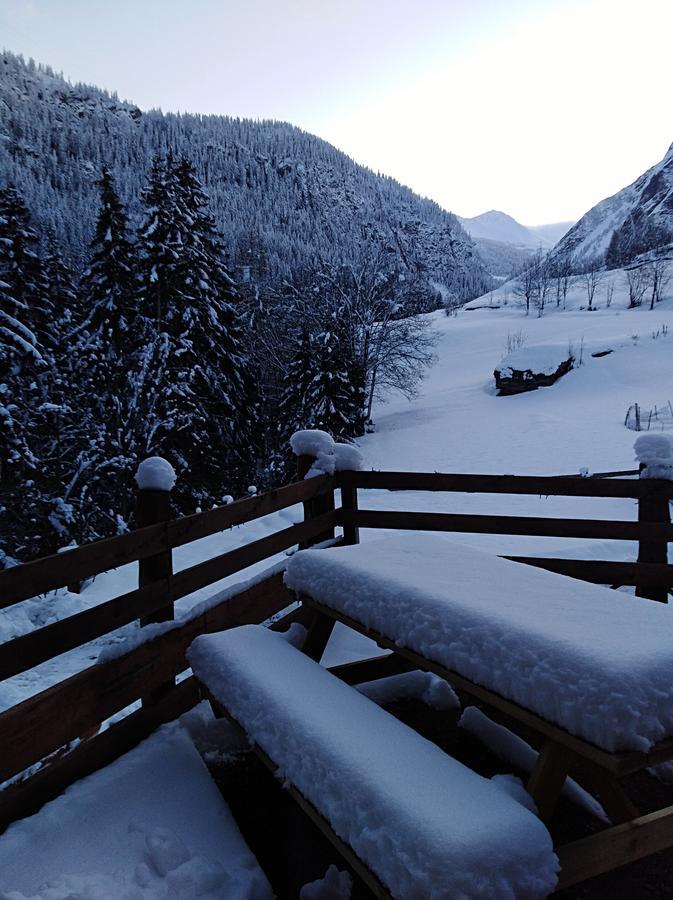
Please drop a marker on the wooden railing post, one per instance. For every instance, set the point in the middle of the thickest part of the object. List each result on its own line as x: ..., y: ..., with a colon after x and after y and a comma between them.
x: 317, y: 506
x: 349, y: 503
x: 153, y: 506
x: 653, y: 506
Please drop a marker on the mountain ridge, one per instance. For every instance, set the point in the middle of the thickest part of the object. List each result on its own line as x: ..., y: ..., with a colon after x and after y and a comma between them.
x: 282, y: 199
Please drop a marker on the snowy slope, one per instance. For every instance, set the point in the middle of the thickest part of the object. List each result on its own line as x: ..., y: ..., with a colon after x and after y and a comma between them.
x: 648, y: 203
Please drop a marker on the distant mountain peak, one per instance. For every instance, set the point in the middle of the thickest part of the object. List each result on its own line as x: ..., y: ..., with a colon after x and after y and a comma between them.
x: 495, y: 225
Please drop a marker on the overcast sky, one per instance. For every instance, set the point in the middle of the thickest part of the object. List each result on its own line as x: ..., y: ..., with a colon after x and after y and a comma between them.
x: 539, y: 108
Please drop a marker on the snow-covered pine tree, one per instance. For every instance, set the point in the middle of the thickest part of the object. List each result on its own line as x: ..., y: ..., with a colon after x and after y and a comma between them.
x: 200, y: 410
x: 24, y: 384
x: 105, y: 342
x: 332, y: 400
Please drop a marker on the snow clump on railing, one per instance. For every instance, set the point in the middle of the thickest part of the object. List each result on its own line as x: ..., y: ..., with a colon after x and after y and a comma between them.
x: 329, y: 457
x: 655, y: 453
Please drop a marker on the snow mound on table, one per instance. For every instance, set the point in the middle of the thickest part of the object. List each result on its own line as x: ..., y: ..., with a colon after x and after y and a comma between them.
x: 539, y: 360
x: 424, y: 823
x: 151, y: 825
x: 595, y: 661
x: 155, y: 474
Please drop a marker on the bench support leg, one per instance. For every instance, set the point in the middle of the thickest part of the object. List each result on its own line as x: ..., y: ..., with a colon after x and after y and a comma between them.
x: 548, y: 777
x: 319, y: 633
x: 614, y: 799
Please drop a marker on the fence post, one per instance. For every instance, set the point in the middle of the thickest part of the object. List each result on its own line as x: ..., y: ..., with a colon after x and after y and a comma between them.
x: 653, y: 506
x: 155, y: 479
x: 317, y: 505
x: 349, y: 503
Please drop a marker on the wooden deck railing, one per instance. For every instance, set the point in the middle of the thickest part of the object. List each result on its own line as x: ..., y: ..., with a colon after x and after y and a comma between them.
x: 42, y: 729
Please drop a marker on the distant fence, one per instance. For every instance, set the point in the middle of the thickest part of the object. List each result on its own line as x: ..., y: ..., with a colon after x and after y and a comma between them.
x: 659, y: 418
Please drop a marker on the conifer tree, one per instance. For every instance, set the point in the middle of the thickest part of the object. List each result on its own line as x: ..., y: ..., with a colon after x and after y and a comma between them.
x: 24, y: 365
x: 199, y: 410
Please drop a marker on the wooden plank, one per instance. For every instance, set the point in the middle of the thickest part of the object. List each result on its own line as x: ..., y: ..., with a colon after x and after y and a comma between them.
x: 26, y: 797
x: 212, y: 570
x: 615, y: 847
x: 41, y: 724
x: 50, y: 572
x: 190, y: 528
x: 29, y: 650
x: 371, y: 669
x: 37, y: 646
x: 603, y: 571
x: 42, y: 575
x: 529, y: 525
x: 541, y: 485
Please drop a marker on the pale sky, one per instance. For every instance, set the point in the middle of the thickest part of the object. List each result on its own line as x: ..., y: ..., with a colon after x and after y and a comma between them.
x: 539, y: 108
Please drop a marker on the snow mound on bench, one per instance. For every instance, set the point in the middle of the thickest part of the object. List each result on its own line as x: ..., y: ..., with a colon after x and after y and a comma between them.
x: 596, y: 662
x: 152, y: 825
x: 424, y: 823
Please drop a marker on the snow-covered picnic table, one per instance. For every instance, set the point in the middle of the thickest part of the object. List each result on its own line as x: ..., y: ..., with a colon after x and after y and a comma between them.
x: 594, y: 661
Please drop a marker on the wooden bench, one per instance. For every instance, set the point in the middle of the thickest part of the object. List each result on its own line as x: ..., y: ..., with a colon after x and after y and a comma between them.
x: 584, y: 672
x: 409, y: 819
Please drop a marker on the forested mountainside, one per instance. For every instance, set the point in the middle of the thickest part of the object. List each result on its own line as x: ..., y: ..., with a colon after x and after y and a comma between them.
x: 281, y: 199
x: 636, y: 219
x: 194, y: 288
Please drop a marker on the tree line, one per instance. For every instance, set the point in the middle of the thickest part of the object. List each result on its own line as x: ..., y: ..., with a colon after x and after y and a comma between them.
x: 151, y: 348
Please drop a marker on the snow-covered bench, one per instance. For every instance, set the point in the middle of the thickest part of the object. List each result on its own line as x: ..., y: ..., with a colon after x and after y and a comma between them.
x: 423, y: 824
x: 588, y: 670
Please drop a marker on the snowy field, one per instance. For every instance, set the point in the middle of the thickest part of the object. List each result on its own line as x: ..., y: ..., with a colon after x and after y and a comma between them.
x: 457, y: 424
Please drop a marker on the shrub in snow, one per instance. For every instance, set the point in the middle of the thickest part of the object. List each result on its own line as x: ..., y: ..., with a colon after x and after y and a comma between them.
x: 155, y: 474
x: 655, y: 452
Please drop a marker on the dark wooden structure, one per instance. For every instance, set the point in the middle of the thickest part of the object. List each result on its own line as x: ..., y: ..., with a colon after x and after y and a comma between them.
x: 40, y: 731
x: 517, y: 381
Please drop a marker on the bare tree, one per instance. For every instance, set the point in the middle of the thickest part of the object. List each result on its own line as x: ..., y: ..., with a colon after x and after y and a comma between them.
x: 636, y: 281
x: 658, y: 275
x: 563, y: 274
x: 542, y: 273
x: 591, y: 278
x: 533, y: 283
x: 609, y: 293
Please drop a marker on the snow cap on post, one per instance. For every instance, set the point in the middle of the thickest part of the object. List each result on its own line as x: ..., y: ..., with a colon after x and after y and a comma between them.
x: 311, y: 442
x: 655, y: 453
x: 155, y: 474
x: 317, y: 448
x: 348, y: 458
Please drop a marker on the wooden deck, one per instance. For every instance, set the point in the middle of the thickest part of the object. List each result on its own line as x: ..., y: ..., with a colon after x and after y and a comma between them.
x: 36, y: 734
